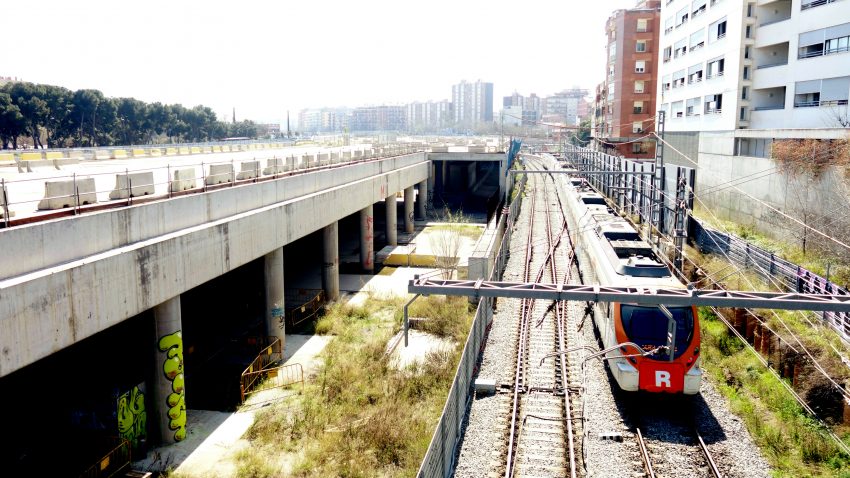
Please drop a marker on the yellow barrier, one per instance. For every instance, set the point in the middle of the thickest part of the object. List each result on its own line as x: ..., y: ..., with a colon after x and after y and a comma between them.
x: 53, y: 155
x: 225, y: 149
x: 206, y: 149
x: 170, y: 151
x: 30, y: 156
x: 7, y: 157
x: 251, y: 147
x: 156, y: 152
x: 139, y: 153
x: 195, y: 150
x: 183, y: 150
x: 216, y: 149
x: 119, y: 154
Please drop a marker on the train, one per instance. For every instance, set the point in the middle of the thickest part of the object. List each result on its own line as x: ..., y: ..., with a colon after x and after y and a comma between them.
x: 612, y: 249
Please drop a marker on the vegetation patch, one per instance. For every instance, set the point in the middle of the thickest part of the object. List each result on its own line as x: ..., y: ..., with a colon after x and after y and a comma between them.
x: 360, y: 417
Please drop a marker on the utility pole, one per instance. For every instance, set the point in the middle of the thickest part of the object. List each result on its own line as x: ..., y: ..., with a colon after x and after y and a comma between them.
x: 502, y: 128
x: 657, y: 202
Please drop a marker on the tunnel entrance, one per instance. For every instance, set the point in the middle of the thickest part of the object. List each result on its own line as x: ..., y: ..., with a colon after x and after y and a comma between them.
x: 470, y: 186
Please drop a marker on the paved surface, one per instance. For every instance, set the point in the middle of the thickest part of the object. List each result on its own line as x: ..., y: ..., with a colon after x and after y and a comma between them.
x: 25, y: 189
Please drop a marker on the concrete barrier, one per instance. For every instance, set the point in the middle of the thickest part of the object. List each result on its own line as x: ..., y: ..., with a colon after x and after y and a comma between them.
x: 309, y: 160
x: 477, y: 149
x: 60, y: 194
x: 291, y: 163
x: 183, y: 150
x: 41, y: 164
x: 194, y: 150
x: 132, y: 185
x: 324, y: 159
x: 3, y: 203
x: 139, y: 153
x: 119, y: 154
x: 220, y: 173
x: 216, y: 149
x: 102, y: 154
x: 358, y: 154
x: 31, y: 157
x: 225, y: 148
x: 52, y: 155
x: 248, y: 170
x: 170, y: 151
x: 334, y: 157
x: 273, y: 166
x: 183, y: 180
x: 207, y: 149
x: 346, y: 155
x: 156, y: 152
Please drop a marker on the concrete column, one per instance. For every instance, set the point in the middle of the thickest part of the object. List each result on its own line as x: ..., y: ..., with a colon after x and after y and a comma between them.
x: 169, y: 394
x: 275, y: 326
x: 392, y: 237
x: 423, y: 200
x: 330, y: 261
x: 367, y: 239
x: 408, y: 209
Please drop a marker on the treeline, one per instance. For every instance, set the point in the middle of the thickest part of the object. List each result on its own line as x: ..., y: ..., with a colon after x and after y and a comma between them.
x: 57, y: 117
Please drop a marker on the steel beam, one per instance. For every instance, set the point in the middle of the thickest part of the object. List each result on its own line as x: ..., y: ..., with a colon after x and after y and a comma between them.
x: 632, y: 295
x: 580, y: 173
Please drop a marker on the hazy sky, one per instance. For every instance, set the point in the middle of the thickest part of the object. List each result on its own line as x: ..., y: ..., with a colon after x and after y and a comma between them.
x: 267, y: 57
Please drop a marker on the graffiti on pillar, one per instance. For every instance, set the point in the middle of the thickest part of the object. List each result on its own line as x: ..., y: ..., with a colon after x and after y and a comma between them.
x: 370, y: 235
x: 132, y: 416
x: 172, y: 367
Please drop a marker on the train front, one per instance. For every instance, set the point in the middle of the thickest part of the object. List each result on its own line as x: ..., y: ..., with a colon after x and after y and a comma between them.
x: 652, y: 328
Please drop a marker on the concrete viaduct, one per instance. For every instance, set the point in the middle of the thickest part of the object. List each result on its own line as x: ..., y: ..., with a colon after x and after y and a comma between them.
x: 67, y: 279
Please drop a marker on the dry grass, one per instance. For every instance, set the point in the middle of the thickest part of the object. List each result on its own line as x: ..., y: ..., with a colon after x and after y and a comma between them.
x: 361, y: 417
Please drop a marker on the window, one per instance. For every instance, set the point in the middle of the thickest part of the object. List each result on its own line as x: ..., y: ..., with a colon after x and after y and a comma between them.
x: 679, y: 79
x: 611, y: 71
x: 837, y: 45
x: 612, y: 50
x: 750, y: 10
x: 639, y: 86
x: 716, y: 67
x: 743, y: 114
x: 611, y: 91
x: 665, y: 83
x: 680, y: 48
x: 695, y: 74
x: 692, y: 107
x: 642, y: 24
x: 721, y: 29
x: 747, y: 52
x: 745, y: 92
x: 640, y: 66
x: 717, y: 30
x: 639, y: 148
x: 676, y: 109
x: 697, y: 39
x: 826, y: 92
x: 638, y: 107
x: 637, y: 127
x: 681, y: 17
x: 697, y: 8
x: 668, y: 53
x: 714, y: 104
x: 647, y: 327
x: 640, y: 46
x: 668, y: 25
x: 748, y: 32
x: 746, y: 72
x: 807, y: 4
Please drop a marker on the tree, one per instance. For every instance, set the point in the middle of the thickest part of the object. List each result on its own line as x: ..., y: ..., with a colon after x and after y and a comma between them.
x: 12, y: 122
x: 445, y: 240
x: 34, y: 109
x: 582, y: 136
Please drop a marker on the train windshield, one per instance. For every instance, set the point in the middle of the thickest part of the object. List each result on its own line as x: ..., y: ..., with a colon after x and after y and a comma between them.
x: 647, y: 327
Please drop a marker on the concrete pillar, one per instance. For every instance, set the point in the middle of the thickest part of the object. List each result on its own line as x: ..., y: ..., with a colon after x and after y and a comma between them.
x: 367, y: 239
x: 169, y: 394
x: 275, y: 326
x: 392, y: 210
x: 423, y: 200
x: 330, y: 261
x: 408, y: 209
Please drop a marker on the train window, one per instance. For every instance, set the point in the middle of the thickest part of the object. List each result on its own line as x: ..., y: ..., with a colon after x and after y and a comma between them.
x: 647, y: 326
x: 593, y: 200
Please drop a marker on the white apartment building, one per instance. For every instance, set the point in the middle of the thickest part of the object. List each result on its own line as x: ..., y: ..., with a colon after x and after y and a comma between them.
x: 730, y: 64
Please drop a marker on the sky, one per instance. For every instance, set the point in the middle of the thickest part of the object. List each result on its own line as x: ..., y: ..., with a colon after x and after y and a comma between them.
x: 265, y: 57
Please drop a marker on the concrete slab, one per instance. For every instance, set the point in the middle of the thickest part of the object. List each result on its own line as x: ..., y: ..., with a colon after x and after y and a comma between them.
x: 419, y: 345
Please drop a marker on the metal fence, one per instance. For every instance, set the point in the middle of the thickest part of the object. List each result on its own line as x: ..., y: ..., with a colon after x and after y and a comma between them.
x: 439, y: 461
x: 765, y: 264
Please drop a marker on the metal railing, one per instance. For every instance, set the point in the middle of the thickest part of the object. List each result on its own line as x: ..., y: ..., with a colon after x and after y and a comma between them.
x: 267, y: 358
x: 440, y: 458
x: 765, y: 264
x: 815, y: 3
x: 771, y: 65
x: 307, y: 310
x: 271, y: 378
x: 111, y: 463
x: 162, y: 183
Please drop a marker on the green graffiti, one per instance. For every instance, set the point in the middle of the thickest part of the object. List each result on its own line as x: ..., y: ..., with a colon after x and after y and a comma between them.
x: 172, y: 367
x: 132, y: 417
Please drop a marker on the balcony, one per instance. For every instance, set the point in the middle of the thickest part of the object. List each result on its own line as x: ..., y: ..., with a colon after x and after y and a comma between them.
x: 814, y: 4
x: 814, y: 104
x: 772, y: 65
x: 713, y: 111
x: 714, y: 75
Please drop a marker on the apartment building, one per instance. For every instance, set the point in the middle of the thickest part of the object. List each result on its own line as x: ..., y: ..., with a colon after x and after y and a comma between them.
x: 429, y: 116
x: 733, y: 64
x: 624, y: 104
x: 473, y: 103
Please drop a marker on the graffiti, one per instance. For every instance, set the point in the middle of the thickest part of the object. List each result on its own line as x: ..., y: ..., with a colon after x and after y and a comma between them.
x: 172, y: 345
x: 132, y: 416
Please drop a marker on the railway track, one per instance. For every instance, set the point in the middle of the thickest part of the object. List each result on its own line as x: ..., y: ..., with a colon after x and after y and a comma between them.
x: 708, y: 466
x: 541, y: 440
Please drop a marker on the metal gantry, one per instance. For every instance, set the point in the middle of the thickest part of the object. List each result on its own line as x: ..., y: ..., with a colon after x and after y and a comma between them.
x: 632, y: 295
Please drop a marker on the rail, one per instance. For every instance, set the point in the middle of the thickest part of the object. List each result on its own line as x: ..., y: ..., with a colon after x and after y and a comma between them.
x: 253, y: 374
x: 439, y: 460
x: 306, y: 310
x: 111, y: 463
x: 281, y: 376
x: 87, y: 193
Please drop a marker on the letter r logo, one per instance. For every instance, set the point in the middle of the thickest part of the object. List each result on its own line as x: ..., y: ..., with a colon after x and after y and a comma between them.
x: 662, y: 376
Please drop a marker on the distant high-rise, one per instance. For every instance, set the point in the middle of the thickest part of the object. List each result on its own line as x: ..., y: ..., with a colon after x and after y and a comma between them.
x: 473, y: 103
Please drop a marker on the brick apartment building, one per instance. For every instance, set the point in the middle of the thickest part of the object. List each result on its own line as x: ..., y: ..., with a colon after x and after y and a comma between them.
x: 625, y: 101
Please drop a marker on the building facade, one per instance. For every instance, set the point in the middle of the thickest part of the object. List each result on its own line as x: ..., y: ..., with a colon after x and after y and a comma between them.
x: 473, y: 103
x: 564, y: 107
x: 625, y: 102
x: 379, y: 118
x: 728, y: 65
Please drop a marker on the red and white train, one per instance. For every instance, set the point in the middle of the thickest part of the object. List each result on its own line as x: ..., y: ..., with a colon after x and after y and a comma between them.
x: 610, y: 247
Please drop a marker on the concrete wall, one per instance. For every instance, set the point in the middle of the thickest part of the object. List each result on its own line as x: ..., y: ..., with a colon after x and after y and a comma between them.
x: 67, y: 279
